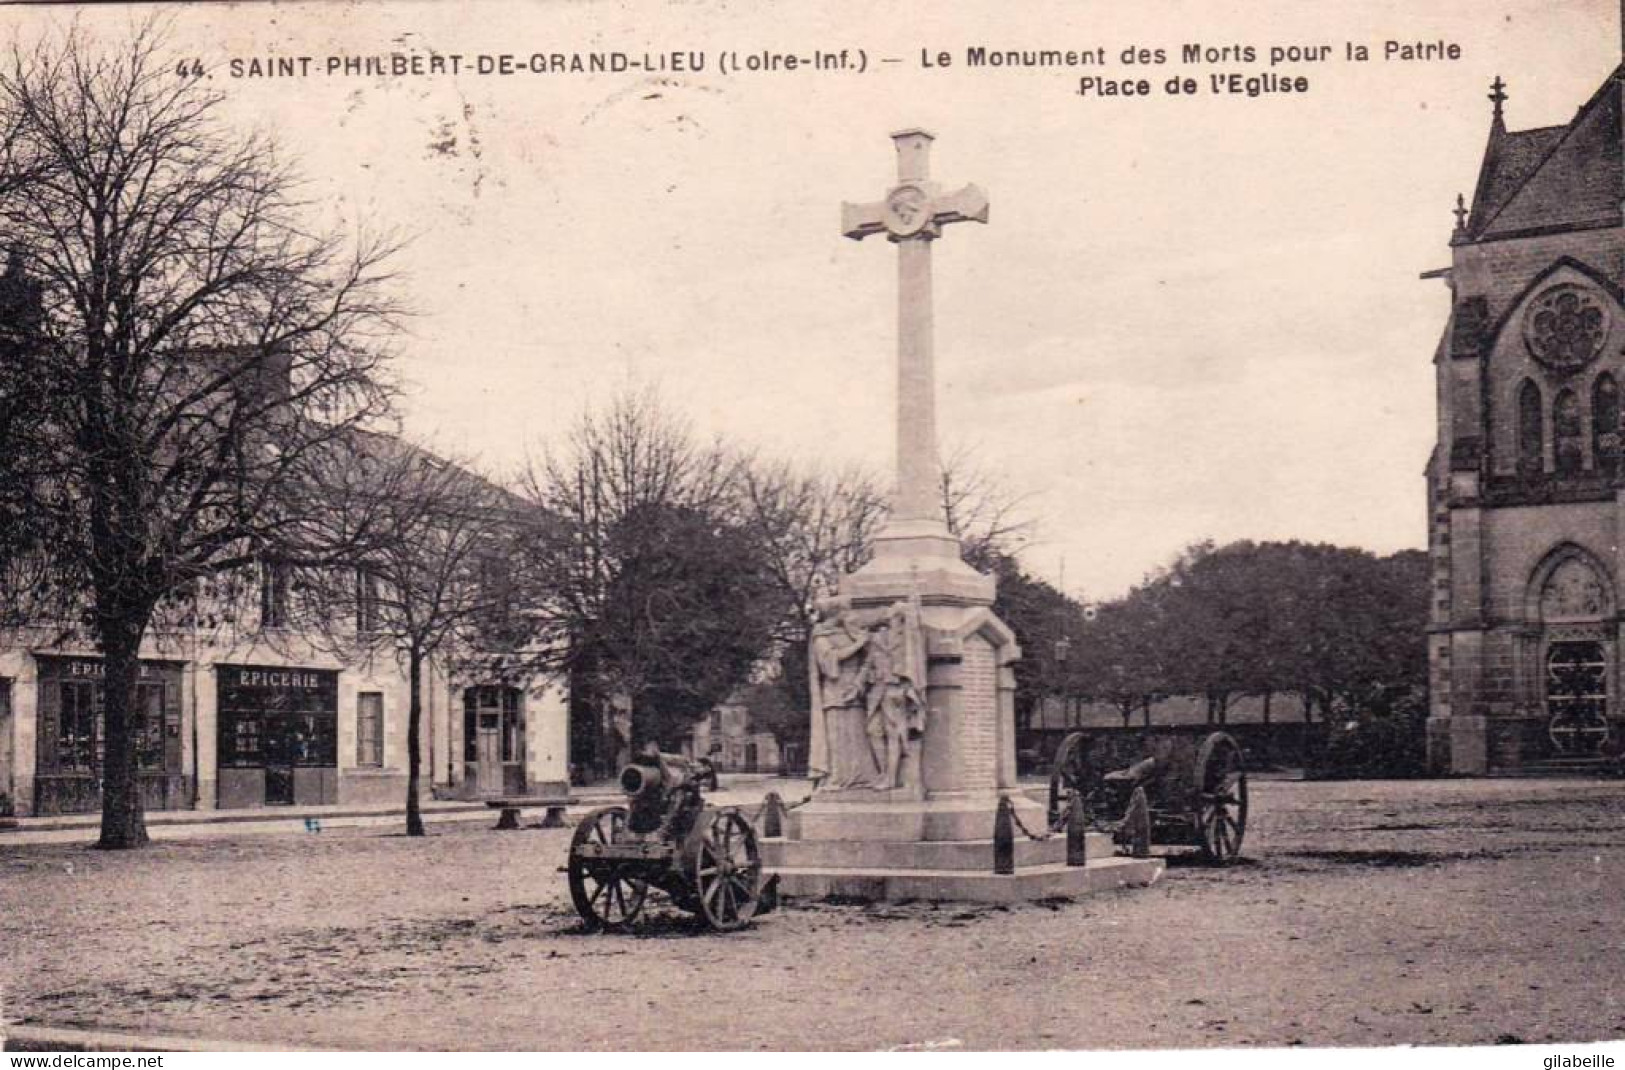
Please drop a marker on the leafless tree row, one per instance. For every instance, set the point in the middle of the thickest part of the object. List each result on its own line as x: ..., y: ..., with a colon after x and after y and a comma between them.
x: 198, y: 432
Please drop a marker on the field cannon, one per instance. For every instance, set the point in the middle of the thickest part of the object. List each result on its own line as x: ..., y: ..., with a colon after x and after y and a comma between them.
x: 706, y: 860
x: 1173, y: 785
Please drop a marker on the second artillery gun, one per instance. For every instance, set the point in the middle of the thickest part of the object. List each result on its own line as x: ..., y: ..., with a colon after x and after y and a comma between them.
x: 705, y: 859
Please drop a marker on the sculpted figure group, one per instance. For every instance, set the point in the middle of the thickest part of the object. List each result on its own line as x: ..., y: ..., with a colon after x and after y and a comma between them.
x: 868, y: 690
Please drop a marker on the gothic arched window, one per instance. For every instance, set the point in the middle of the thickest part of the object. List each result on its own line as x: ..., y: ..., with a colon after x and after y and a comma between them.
x: 1605, y: 437
x: 1567, y: 432
x: 1573, y: 590
x: 1530, y: 429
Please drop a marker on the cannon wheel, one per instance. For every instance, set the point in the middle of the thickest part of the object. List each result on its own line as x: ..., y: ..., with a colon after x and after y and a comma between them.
x: 727, y: 872
x: 1137, y: 824
x: 611, y: 903
x: 1066, y: 778
x: 1220, y: 816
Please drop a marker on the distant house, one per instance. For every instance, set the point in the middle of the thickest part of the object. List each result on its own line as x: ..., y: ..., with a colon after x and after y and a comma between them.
x: 726, y: 734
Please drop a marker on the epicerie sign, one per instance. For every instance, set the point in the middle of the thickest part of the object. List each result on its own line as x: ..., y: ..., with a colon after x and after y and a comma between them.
x: 280, y: 678
x: 97, y: 670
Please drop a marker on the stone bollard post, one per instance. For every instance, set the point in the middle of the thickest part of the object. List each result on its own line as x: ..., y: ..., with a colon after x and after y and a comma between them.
x: 1077, y: 843
x: 772, y: 816
x: 1004, y: 838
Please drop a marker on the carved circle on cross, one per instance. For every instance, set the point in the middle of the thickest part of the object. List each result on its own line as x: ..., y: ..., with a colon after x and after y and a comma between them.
x: 1565, y: 327
x: 908, y: 210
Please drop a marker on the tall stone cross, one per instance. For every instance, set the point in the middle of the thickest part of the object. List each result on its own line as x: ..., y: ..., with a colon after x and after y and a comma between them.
x: 912, y: 216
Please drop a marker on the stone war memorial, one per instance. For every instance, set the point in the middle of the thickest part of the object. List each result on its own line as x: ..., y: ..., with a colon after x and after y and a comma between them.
x: 913, y: 718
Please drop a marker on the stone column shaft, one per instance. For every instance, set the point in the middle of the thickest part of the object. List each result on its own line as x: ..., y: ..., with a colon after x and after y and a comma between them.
x: 915, y: 498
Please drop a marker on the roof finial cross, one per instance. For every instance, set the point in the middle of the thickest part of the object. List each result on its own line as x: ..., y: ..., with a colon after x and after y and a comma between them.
x: 1498, y: 94
x: 1460, y: 212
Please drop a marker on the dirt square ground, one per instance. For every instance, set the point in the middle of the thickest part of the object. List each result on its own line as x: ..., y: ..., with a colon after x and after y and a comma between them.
x: 1366, y: 913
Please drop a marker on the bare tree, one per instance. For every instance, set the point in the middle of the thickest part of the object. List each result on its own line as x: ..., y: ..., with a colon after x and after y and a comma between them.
x: 981, y: 511
x: 210, y: 355
x: 434, y: 590
x: 813, y: 528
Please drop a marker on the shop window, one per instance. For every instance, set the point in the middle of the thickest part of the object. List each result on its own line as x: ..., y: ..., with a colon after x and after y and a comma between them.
x: 369, y: 728
x: 73, y: 717
x: 149, y: 726
x: 242, y: 740
x: 278, y: 716
x: 78, y: 741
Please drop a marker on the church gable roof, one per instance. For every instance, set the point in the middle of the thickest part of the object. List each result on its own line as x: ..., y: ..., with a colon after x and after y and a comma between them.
x: 1509, y: 164
x: 1554, y: 177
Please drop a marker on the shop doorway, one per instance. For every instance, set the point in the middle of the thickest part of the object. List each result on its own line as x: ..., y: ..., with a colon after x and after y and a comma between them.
x: 494, y: 740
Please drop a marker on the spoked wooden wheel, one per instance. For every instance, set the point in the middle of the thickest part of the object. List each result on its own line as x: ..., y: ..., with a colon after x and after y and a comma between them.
x: 728, y: 872
x: 603, y: 897
x: 1067, y: 774
x: 1221, y: 809
x: 1136, y: 831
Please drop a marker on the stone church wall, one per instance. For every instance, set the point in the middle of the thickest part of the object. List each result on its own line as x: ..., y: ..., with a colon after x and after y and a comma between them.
x: 1510, y: 366
x: 1518, y: 538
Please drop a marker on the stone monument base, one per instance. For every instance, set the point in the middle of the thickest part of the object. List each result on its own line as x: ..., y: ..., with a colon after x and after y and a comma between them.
x: 921, y: 850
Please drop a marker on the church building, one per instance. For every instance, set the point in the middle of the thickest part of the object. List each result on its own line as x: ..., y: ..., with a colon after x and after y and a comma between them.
x: 1526, y: 489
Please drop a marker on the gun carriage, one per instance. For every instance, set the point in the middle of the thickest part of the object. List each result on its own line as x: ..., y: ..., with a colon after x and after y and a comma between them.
x: 1172, y: 786
x: 706, y: 860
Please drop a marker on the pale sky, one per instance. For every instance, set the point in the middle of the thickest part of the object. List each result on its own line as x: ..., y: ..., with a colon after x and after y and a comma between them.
x: 1187, y: 317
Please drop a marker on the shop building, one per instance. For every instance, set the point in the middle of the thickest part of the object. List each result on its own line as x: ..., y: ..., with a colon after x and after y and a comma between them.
x: 268, y: 724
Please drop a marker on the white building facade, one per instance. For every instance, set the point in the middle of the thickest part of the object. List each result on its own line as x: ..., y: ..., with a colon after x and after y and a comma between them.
x: 276, y: 721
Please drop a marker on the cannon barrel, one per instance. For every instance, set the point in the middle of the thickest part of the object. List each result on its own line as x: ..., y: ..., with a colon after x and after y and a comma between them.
x: 654, y: 785
x: 648, y: 777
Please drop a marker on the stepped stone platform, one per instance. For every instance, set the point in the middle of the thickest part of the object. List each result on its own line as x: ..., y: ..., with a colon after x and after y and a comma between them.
x: 962, y: 886
x: 1595, y: 767
x: 949, y: 870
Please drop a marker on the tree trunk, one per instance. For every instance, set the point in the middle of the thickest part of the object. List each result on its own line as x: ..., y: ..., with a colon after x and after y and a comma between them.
x: 414, y: 762
x: 123, y: 824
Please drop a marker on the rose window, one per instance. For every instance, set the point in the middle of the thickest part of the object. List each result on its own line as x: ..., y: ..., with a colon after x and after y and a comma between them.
x: 1565, y: 327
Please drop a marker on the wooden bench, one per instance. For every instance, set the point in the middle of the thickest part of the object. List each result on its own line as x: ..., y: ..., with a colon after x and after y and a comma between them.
x: 509, y: 818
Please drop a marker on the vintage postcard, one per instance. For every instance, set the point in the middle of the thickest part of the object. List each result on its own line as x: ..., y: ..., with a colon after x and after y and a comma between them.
x: 884, y: 526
